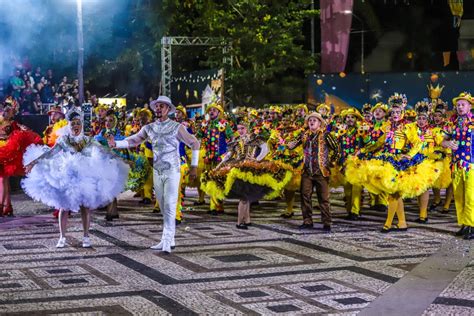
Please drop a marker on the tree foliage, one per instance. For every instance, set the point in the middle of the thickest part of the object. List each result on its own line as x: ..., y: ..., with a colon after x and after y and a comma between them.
x: 266, y: 40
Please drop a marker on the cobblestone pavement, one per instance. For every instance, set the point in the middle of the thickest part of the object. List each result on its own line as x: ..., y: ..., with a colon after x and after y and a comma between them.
x: 271, y: 268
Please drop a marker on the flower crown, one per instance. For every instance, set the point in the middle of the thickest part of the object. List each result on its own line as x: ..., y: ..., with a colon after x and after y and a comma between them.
x: 397, y: 100
x: 366, y: 108
x: 422, y: 107
x: 73, y: 113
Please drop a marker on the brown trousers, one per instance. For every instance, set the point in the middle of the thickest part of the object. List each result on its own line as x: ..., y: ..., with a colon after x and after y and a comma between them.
x: 321, y: 183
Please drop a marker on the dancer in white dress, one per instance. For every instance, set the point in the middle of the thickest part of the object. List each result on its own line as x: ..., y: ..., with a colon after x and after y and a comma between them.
x: 77, y: 174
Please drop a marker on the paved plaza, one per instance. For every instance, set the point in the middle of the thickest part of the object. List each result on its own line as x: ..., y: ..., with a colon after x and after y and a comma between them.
x: 273, y: 268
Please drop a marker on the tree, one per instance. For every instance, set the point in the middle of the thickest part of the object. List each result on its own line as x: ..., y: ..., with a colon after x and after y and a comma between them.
x: 266, y: 39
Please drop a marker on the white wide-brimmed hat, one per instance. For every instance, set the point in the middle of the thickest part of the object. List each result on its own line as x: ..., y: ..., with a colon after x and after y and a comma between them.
x: 163, y: 99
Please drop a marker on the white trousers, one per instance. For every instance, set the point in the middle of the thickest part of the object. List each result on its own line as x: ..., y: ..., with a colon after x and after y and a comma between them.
x: 166, y: 190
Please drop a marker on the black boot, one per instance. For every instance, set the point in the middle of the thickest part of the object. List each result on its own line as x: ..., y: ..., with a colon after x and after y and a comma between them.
x: 469, y: 233
x: 460, y: 232
x: 434, y: 206
x: 352, y: 217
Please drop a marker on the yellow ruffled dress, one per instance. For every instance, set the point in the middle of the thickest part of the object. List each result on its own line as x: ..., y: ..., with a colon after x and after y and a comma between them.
x: 389, y: 170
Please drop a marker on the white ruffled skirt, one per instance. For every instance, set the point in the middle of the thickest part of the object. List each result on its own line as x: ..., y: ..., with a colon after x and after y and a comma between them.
x: 91, y: 178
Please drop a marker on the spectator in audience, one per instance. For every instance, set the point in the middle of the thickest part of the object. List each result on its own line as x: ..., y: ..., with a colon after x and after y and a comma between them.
x: 27, y: 99
x: 37, y: 75
x: 31, y: 79
x: 64, y: 85
x: 37, y: 104
x: 25, y: 77
x: 47, y: 93
x: 17, y: 84
x: 50, y: 77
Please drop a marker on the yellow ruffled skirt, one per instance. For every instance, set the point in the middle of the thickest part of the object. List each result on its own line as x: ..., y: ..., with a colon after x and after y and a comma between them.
x: 381, y: 176
x: 445, y: 178
x: 246, y: 179
x: 337, y: 178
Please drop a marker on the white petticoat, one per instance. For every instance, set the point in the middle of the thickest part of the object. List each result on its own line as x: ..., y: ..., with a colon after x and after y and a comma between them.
x: 91, y: 178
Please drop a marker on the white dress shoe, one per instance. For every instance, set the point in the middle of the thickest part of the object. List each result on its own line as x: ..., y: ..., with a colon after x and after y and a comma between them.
x: 61, y: 242
x: 159, y: 246
x: 166, y: 247
x: 86, y: 242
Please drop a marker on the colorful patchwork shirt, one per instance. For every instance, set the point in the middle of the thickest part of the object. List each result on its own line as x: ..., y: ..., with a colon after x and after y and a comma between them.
x: 463, y: 133
x: 350, y: 141
x: 215, y: 135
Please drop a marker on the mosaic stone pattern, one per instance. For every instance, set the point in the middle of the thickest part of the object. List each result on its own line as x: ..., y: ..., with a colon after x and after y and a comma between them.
x: 273, y: 268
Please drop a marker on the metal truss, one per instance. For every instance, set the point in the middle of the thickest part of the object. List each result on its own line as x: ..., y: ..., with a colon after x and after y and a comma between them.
x: 166, y: 56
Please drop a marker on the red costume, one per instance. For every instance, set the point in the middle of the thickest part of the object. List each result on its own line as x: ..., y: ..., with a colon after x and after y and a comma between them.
x: 14, y: 139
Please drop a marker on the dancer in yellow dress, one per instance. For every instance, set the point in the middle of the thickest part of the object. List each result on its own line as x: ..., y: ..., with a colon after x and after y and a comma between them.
x: 440, y: 121
x: 395, y: 166
x: 431, y: 138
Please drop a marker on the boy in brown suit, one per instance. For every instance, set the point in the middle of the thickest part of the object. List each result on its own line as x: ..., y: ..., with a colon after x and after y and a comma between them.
x: 320, y: 147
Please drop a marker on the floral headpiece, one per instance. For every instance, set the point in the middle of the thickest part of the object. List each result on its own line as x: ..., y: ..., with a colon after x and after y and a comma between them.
x: 422, y: 108
x: 11, y: 102
x: 439, y: 106
x: 74, y: 113
x: 367, y: 107
x: 397, y: 100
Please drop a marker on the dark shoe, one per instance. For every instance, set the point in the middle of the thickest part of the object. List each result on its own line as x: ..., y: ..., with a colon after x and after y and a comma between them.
x: 444, y: 211
x: 178, y: 221
x: 156, y: 210
x: 469, y: 233
x: 327, y: 228
x: 385, y: 230
x: 399, y: 229
x: 145, y: 201
x: 8, y: 211
x: 422, y: 220
x: 197, y: 203
x: 241, y: 226
x: 114, y: 216
x: 248, y: 224
x: 306, y: 226
x: 214, y: 213
x: 434, y: 206
x: 108, y: 218
x: 352, y: 217
x: 461, y: 231
x: 286, y: 215
x: 381, y: 208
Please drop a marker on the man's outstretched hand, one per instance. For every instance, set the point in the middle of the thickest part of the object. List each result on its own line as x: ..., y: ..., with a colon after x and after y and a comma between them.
x: 111, y: 141
x: 192, y: 174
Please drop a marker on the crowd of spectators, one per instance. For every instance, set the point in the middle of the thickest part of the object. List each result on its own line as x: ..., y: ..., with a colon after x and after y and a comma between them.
x: 34, y: 88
